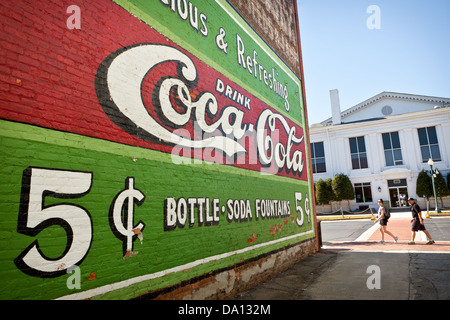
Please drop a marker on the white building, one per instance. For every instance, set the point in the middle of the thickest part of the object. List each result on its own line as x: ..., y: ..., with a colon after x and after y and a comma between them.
x: 382, y: 144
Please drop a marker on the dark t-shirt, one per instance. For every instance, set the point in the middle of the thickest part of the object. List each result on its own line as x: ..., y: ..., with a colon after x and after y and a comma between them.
x: 415, y: 210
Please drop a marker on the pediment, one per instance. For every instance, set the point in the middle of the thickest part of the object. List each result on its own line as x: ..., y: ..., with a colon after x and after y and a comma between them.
x: 387, y: 104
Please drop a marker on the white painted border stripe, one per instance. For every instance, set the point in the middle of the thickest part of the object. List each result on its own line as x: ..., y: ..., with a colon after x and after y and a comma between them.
x: 123, y: 284
x: 368, y: 233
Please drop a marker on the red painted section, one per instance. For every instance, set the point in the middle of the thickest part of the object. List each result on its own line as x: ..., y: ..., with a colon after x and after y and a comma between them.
x: 47, y: 72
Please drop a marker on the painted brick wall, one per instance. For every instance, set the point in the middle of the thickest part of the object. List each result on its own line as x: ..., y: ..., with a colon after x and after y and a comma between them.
x: 139, y: 158
x: 275, y: 22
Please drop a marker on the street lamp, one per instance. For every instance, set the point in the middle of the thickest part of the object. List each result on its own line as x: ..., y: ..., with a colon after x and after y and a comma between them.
x: 433, y: 174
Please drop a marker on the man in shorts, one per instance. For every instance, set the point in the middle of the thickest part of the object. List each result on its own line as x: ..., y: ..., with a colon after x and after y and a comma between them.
x: 417, y: 222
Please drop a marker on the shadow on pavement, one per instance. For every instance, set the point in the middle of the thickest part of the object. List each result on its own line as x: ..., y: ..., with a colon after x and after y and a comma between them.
x: 343, y: 273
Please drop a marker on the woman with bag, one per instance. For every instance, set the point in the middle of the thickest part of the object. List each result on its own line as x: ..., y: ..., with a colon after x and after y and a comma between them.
x: 383, y: 218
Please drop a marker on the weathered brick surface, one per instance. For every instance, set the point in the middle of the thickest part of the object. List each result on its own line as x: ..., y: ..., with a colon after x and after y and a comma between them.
x: 226, y: 284
x: 275, y: 23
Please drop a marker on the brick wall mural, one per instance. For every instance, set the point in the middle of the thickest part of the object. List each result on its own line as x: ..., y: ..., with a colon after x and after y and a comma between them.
x: 143, y: 144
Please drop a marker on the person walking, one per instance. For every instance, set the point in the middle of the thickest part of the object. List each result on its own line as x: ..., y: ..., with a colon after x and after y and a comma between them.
x: 382, y: 217
x: 417, y: 222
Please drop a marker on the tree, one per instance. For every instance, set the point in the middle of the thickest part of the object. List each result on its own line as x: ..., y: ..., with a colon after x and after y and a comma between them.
x: 320, y: 192
x: 324, y: 193
x: 329, y: 182
x: 441, y: 187
x: 315, y: 193
x: 343, y: 188
x: 424, y: 185
x: 448, y: 181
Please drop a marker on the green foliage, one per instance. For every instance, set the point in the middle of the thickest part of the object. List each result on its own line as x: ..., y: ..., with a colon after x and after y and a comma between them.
x: 424, y: 186
x: 324, y: 192
x: 342, y: 188
x: 448, y: 181
x: 441, y: 186
x: 329, y: 182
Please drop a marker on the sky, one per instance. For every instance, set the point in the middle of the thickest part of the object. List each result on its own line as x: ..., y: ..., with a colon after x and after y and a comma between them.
x: 408, y: 51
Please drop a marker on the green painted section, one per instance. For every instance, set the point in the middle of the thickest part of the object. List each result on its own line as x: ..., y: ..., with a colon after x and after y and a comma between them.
x: 24, y: 146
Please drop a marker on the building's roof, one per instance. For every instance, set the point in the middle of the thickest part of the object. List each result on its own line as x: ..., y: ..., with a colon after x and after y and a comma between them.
x: 388, y: 95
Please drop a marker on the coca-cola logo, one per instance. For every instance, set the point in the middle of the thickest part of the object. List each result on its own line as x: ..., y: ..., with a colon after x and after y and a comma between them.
x: 119, y: 87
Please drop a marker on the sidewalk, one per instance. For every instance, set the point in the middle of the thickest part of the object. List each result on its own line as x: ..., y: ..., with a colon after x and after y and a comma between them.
x: 341, y: 270
x: 400, y: 227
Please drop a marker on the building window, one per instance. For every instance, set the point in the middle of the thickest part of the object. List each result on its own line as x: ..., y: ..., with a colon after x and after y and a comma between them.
x: 392, y: 150
x: 318, y: 157
x: 363, y: 192
x: 429, y: 146
x: 358, y: 153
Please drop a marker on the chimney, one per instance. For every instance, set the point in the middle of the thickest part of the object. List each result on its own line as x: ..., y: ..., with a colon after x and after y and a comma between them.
x: 335, y: 106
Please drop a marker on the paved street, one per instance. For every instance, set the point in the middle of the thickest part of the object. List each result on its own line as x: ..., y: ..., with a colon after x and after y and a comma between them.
x: 344, y: 266
x: 344, y: 230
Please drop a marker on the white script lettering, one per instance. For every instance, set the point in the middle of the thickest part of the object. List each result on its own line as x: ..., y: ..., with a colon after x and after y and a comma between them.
x: 119, y: 90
